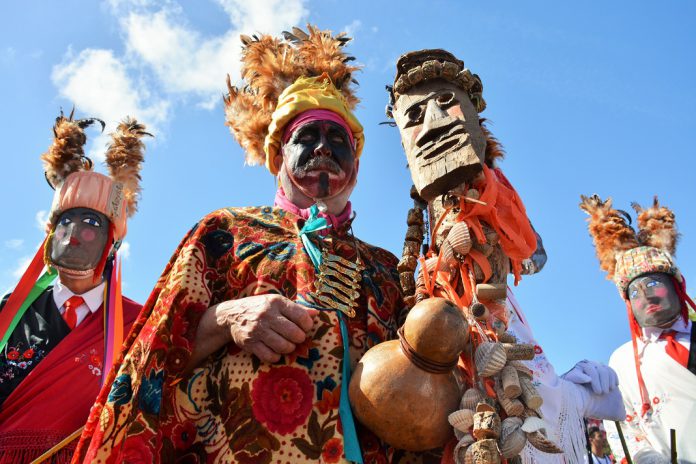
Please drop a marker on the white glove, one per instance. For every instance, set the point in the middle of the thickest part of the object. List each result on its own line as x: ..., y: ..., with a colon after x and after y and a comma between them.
x: 602, y: 378
x: 650, y: 456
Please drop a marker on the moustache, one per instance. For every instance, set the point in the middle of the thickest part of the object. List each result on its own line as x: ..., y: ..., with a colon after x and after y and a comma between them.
x: 322, y: 162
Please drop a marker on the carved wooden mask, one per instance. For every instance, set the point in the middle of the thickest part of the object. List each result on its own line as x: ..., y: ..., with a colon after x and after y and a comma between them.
x: 441, y: 135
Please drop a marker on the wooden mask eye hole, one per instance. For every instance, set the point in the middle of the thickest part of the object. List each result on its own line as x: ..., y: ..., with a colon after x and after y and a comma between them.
x: 445, y: 99
x: 414, y: 114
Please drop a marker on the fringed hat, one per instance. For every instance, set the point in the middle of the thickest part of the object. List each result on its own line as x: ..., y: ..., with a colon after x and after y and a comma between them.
x: 622, y: 253
x: 284, y: 78
x: 71, y: 173
x: 626, y: 255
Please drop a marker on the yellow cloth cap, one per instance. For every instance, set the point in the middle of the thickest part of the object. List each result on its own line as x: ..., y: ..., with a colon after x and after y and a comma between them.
x: 308, y: 93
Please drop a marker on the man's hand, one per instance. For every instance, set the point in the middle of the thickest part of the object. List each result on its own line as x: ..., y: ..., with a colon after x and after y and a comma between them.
x: 266, y: 326
x: 602, y: 378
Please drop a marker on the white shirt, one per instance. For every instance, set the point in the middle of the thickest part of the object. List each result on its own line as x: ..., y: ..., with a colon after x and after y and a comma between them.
x: 93, y: 299
x: 672, y: 394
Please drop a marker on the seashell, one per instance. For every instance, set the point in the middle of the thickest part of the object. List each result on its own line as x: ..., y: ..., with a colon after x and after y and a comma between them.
x: 530, y: 396
x: 471, y: 398
x: 448, y: 259
x: 540, y: 442
x: 533, y: 424
x: 491, y: 291
x: 519, y: 351
x: 490, y: 359
x: 461, y: 448
x: 484, y: 452
x: 460, y: 238
x: 462, y: 419
x: 507, y: 337
x: 486, y: 425
x: 510, y: 382
x: 512, y: 438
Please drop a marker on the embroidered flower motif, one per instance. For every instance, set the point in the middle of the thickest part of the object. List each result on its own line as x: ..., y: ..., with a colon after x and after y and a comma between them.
x: 150, y: 394
x: 332, y: 450
x: 656, y: 400
x: 28, y: 354
x: 22, y: 365
x: 13, y: 355
x: 121, y: 390
x: 184, y: 435
x: 537, y: 349
x: 282, y: 398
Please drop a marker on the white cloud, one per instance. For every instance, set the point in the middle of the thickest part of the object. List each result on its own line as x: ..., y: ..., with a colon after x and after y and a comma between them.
x: 166, y: 60
x: 22, y: 265
x: 352, y: 28
x: 124, y: 251
x: 99, y: 84
x: 14, y: 244
x: 42, y: 217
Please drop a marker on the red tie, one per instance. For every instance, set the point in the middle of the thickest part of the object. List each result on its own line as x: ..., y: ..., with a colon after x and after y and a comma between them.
x: 70, y: 313
x: 676, y: 350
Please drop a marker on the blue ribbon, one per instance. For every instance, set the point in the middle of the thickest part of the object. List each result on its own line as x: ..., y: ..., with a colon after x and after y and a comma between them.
x: 350, y: 437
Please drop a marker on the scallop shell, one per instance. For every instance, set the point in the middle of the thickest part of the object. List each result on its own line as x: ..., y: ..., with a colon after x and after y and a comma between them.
x: 462, y: 419
x: 540, y: 442
x: 533, y: 424
x: 460, y: 238
x: 471, y: 398
x: 512, y: 438
x: 461, y: 448
x: 448, y: 258
x: 490, y: 359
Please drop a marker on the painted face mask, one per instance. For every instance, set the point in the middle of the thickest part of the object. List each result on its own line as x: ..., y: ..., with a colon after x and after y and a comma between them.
x: 441, y: 135
x: 654, y: 300
x: 319, y: 159
x: 79, y: 239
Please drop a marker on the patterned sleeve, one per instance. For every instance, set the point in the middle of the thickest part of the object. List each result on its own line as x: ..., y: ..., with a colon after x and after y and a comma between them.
x: 158, y: 346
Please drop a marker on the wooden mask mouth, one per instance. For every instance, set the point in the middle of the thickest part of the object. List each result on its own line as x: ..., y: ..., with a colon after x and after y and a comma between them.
x: 439, y: 141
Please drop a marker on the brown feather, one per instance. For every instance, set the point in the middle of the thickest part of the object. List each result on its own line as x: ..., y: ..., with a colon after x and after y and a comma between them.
x: 124, y: 158
x: 609, y: 230
x: 494, y: 149
x: 657, y: 227
x: 66, y: 153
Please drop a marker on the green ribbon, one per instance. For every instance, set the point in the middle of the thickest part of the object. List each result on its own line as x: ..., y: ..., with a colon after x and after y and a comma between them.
x: 350, y: 437
x: 39, y: 287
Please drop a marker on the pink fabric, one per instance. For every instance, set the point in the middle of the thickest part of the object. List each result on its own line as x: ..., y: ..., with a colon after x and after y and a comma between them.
x: 316, y: 115
x: 335, y: 220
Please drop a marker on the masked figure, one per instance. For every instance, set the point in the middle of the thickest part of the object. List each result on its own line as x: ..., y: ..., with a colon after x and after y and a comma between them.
x: 657, y: 368
x: 52, y: 357
x: 246, y: 344
x: 479, y: 233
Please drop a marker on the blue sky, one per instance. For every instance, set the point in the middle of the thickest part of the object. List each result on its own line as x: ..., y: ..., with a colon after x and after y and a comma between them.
x: 592, y: 97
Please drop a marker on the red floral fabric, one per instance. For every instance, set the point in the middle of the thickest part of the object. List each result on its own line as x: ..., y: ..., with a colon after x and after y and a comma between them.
x: 233, y: 408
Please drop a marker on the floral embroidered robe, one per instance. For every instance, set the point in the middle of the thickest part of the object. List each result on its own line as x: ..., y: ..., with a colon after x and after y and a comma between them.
x: 233, y: 408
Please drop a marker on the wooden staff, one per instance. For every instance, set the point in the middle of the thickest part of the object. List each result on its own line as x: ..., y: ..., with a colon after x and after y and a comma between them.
x: 673, y: 445
x: 627, y: 455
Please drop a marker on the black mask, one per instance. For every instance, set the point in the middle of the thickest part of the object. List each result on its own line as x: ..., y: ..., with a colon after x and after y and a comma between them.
x: 79, y: 239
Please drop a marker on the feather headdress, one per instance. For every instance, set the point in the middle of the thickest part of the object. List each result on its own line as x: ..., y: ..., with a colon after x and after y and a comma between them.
x: 610, y: 231
x: 269, y: 66
x: 71, y: 174
x: 66, y: 154
x: 657, y: 227
x: 124, y: 159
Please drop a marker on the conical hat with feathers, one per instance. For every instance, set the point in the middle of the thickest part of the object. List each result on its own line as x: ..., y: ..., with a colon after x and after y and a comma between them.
x: 269, y: 66
x: 71, y: 173
x: 625, y: 254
